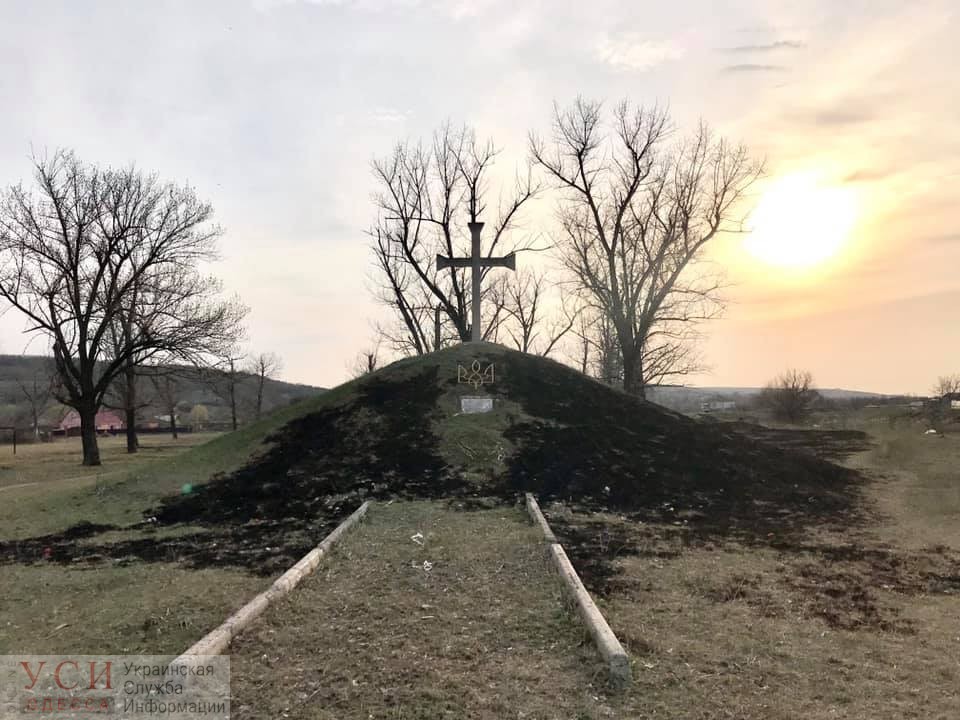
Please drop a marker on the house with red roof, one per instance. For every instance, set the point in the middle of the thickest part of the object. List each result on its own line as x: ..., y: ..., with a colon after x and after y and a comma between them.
x: 108, y: 421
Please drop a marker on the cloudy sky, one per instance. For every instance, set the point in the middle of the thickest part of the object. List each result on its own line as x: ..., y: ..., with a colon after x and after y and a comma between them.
x: 273, y: 110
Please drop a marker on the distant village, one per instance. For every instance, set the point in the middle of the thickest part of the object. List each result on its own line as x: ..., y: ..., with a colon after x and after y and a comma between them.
x: 28, y: 403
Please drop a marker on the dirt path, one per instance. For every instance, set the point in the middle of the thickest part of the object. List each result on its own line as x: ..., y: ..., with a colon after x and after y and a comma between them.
x: 426, y: 611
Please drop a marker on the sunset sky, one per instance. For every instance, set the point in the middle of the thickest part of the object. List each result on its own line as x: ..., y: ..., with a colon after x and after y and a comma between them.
x: 273, y: 110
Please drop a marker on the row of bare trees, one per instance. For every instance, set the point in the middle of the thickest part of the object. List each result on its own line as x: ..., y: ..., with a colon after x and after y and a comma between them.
x: 107, y: 264
x: 162, y: 387
x: 223, y: 377
x: 635, y: 209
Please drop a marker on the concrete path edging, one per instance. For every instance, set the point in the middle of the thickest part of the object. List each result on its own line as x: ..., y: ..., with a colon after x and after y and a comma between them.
x: 539, y: 520
x: 217, y: 640
x: 607, y: 644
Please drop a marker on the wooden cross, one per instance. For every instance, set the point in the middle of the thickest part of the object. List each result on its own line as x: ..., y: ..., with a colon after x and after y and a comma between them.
x: 476, y: 262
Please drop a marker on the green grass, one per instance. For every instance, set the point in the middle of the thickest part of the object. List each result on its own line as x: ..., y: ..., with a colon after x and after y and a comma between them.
x: 476, y: 442
x: 117, y: 605
x: 124, y: 487
x: 61, y: 493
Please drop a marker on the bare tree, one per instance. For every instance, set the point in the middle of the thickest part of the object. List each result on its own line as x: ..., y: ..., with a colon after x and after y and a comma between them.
x: 89, y: 245
x: 167, y: 387
x: 37, y: 391
x: 367, y: 361
x: 635, y: 216
x: 790, y: 396
x: 581, y: 352
x: 263, y: 367
x: 224, y: 379
x: 946, y: 389
x: 209, y: 325
x: 947, y: 385
x: 607, y: 365
x: 521, y: 300
x: 124, y: 395
x: 426, y: 198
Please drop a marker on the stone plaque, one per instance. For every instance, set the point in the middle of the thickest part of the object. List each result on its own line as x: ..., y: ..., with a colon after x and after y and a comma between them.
x: 470, y: 405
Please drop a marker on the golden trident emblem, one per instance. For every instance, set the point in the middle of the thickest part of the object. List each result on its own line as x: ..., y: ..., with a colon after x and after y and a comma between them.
x: 475, y: 375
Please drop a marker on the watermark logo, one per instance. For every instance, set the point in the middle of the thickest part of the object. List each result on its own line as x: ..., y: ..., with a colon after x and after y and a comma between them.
x: 134, y: 687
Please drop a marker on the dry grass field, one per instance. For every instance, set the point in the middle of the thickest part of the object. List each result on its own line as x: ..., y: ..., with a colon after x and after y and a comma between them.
x: 859, y: 623
x: 479, y: 631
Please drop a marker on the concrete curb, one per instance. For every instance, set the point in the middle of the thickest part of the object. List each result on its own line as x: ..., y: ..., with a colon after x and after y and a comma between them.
x: 607, y: 644
x: 217, y: 640
x: 538, y: 519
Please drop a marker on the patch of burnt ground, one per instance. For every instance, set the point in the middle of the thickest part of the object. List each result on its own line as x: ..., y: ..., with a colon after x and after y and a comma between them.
x: 828, y: 444
x: 575, y: 440
x: 857, y: 584
x: 596, y: 448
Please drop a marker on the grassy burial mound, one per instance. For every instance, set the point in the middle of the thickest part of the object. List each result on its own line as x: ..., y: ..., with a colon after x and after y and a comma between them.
x: 399, y: 432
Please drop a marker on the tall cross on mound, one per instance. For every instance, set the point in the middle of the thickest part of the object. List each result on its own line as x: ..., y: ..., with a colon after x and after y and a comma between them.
x: 476, y: 261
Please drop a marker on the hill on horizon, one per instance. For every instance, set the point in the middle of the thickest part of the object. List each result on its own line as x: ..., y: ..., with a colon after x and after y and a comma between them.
x: 832, y: 393
x: 688, y: 398
x: 399, y: 433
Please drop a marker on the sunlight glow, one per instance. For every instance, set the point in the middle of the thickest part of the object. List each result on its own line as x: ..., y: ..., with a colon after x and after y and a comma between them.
x: 800, y: 221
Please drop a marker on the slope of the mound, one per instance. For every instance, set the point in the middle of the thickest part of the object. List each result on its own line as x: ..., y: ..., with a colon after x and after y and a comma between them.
x: 399, y: 433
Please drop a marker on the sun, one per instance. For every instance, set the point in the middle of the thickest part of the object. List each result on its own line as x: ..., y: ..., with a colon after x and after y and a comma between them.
x: 801, y: 221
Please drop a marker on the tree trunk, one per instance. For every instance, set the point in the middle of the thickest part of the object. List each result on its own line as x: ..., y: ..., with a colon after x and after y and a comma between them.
x: 88, y: 434
x: 133, y: 443
x: 36, y: 424
x: 641, y: 379
x: 633, y: 375
x: 259, y: 396
x: 173, y: 423
x: 233, y: 403
x: 130, y: 409
x: 629, y: 374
